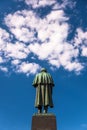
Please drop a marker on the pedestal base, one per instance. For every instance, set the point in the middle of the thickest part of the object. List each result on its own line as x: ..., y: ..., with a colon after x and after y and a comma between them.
x: 44, y: 122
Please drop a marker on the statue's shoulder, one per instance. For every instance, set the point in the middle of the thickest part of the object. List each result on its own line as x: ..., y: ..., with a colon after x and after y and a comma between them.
x: 37, y: 75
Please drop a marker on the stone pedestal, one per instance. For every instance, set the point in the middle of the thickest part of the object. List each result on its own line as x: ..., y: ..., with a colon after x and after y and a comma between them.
x: 44, y: 122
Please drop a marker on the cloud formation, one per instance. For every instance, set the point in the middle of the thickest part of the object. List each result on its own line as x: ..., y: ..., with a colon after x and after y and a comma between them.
x: 80, y: 41
x: 53, y: 3
x: 39, y: 3
x: 28, y: 68
x: 45, y: 38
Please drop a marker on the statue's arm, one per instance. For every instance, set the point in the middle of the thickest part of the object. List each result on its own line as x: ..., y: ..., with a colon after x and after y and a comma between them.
x: 35, y: 81
x: 52, y: 82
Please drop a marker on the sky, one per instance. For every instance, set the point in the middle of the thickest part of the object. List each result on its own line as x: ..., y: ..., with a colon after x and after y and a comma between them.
x: 36, y: 34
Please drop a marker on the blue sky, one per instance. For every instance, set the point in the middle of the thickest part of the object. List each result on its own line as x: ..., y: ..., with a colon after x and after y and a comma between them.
x: 36, y: 34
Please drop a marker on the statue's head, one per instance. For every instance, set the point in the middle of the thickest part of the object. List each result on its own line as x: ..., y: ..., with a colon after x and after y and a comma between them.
x: 43, y: 70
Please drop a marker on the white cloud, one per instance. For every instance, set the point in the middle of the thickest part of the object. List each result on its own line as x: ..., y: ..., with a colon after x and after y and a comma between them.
x: 64, y: 57
x: 3, y: 35
x: 80, y: 40
x: 4, y: 69
x: 48, y: 28
x: 76, y: 66
x: 70, y: 4
x: 17, y: 51
x: 1, y: 60
x: 59, y: 54
x: 20, y: 28
x: 4, y: 38
x: 80, y: 37
x: 28, y: 68
x: 30, y: 25
x: 45, y: 38
x: 54, y: 3
x: 38, y: 3
x: 57, y: 15
x: 84, y: 51
x: 15, y: 62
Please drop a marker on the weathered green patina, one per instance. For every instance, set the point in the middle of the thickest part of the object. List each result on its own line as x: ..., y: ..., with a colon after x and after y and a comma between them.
x: 43, y: 83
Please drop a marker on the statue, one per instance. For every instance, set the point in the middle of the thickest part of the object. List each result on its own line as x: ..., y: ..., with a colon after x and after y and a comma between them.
x: 43, y: 83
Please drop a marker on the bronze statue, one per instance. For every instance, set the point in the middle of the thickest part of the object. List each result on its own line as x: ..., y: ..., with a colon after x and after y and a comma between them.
x: 43, y: 83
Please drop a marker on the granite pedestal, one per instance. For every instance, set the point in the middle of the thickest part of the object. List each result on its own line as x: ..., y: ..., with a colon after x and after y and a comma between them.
x: 44, y: 122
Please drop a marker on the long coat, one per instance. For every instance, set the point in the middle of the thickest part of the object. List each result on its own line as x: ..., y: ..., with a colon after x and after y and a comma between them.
x: 43, y: 83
